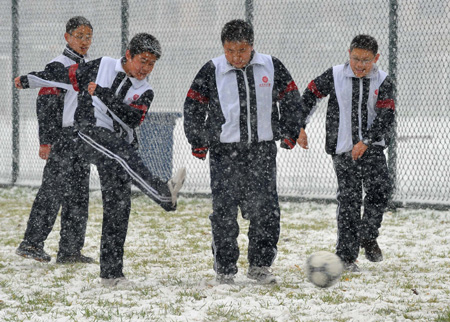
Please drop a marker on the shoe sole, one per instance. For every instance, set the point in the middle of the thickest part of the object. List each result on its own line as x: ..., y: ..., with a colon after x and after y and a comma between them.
x: 35, y: 258
x: 374, y: 260
x: 73, y: 262
x: 264, y: 282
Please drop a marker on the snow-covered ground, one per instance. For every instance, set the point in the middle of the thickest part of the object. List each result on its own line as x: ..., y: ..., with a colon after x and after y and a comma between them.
x: 168, y: 256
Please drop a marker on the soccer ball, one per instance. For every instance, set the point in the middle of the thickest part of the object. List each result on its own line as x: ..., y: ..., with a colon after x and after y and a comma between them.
x: 324, y: 269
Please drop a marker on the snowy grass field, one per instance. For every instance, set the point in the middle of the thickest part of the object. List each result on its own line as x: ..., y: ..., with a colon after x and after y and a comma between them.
x: 168, y: 255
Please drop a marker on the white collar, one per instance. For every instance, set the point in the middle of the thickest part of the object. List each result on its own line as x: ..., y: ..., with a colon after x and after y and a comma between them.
x: 256, y: 60
x: 348, y: 72
x: 135, y: 82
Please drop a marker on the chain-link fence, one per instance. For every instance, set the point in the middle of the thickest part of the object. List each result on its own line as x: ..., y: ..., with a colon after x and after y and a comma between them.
x: 308, y: 36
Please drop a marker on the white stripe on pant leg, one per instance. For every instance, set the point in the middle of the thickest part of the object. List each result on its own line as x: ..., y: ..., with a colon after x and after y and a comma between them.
x: 125, y: 165
x: 213, y: 245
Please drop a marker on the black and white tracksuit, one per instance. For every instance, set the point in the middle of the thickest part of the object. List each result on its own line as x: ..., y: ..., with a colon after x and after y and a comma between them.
x: 238, y: 114
x: 65, y: 181
x: 106, y: 138
x: 359, y: 109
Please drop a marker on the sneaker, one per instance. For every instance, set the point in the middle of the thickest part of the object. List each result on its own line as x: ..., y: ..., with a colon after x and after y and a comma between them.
x: 176, y: 183
x: 75, y: 258
x: 373, y: 251
x: 263, y: 275
x: 225, y: 279
x: 351, y: 267
x: 120, y: 283
x: 34, y: 253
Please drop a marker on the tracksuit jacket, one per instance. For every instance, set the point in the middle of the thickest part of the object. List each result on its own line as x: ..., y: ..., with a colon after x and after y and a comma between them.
x: 55, y: 107
x: 120, y: 104
x: 229, y: 105
x: 358, y: 108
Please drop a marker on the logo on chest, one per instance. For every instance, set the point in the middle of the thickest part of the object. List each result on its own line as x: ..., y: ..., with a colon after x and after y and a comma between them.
x: 265, y: 82
x: 134, y: 98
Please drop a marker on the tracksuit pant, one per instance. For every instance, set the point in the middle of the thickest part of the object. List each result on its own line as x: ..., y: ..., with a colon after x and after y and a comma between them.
x: 244, y: 176
x: 65, y: 184
x: 118, y: 164
x: 371, y: 174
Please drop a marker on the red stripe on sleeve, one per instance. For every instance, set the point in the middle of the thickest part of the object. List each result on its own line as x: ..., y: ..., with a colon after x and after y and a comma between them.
x: 49, y: 91
x: 143, y: 108
x: 73, y: 77
x: 197, y: 96
x: 289, y: 143
x: 389, y: 103
x: 313, y: 88
x: 200, y: 152
x: 291, y: 87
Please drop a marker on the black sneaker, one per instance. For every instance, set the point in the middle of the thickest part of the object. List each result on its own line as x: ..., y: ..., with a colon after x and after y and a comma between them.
x: 74, y: 258
x: 34, y: 253
x: 373, y: 251
x: 351, y: 267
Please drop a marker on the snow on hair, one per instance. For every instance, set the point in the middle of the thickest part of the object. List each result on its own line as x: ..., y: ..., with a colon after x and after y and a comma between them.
x: 144, y: 42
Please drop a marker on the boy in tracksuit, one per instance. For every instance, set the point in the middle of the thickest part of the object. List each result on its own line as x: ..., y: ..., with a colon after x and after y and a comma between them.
x: 113, y: 100
x: 66, y: 175
x: 238, y: 105
x: 359, y: 118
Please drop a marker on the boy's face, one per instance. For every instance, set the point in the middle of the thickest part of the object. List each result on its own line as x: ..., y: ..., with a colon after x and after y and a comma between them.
x: 80, y: 39
x: 361, y: 61
x: 139, y: 66
x: 237, y: 53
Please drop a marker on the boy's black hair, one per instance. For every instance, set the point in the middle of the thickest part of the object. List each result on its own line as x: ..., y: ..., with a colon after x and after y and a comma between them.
x: 237, y: 31
x: 143, y: 43
x: 76, y: 22
x: 364, y: 42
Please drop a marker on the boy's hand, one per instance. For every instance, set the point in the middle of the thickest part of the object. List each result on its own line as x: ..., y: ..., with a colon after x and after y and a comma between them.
x: 44, y: 151
x: 18, y: 83
x: 91, y: 88
x: 358, y: 150
x: 303, y: 139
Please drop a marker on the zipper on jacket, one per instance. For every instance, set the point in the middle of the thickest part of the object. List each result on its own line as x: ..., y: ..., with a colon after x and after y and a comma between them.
x: 360, y: 109
x: 247, y: 89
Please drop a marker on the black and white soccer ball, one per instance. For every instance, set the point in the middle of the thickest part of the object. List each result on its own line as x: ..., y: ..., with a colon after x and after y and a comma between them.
x: 324, y: 269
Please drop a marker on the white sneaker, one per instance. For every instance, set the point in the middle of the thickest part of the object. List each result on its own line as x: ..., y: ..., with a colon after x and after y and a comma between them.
x: 263, y: 275
x: 120, y: 283
x: 176, y: 183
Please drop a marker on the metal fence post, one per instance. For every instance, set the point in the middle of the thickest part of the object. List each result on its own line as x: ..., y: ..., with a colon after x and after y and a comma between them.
x: 124, y: 27
x: 15, y: 93
x: 392, y: 150
x: 249, y: 11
